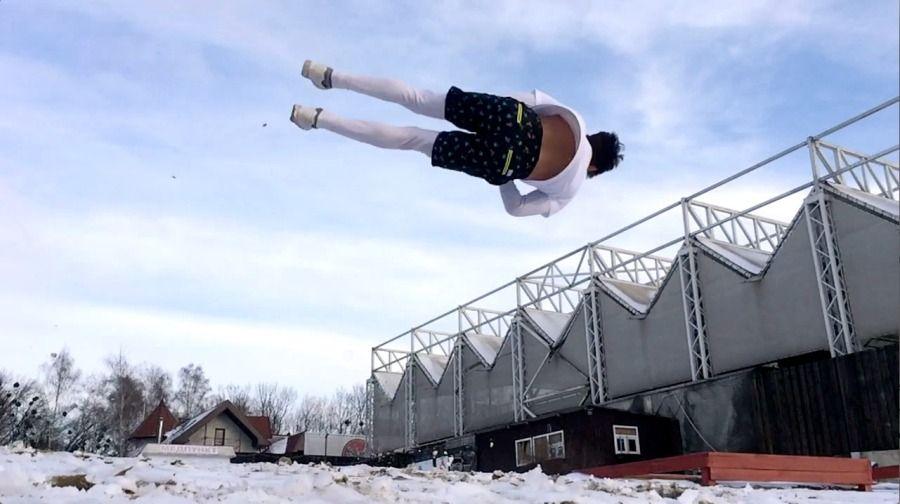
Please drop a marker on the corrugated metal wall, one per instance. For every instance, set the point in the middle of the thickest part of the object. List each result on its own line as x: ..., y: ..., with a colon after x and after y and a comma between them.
x: 830, y: 407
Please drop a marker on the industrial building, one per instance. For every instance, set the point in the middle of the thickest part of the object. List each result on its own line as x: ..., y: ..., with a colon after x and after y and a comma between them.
x: 739, y: 333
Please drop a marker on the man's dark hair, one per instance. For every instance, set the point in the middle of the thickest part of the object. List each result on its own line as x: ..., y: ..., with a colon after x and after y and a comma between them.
x: 606, y: 151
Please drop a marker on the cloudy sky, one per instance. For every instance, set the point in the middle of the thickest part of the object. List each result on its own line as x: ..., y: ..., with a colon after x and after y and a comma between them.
x: 145, y: 208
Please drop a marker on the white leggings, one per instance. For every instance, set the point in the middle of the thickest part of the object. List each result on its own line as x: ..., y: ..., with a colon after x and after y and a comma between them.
x: 422, y: 102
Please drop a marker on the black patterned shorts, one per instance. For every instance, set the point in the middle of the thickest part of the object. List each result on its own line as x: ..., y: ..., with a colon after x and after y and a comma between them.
x: 505, y: 143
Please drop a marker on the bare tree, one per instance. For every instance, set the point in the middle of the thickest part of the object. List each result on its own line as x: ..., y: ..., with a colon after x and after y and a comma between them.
x: 344, y: 412
x: 125, y: 398
x: 239, y: 395
x: 193, y: 389
x: 23, y: 411
x: 87, y: 426
x: 157, y: 386
x: 60, y: 377
x: 274, y: 402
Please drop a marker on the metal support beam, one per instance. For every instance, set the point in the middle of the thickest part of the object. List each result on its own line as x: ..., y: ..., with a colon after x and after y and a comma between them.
x: 370, y: 416
x: 410, y: 405
x: 694, y: 320
x: 458, y: 393
x: 595, y: 349
x: 518, y: 372
x: 829, y: 275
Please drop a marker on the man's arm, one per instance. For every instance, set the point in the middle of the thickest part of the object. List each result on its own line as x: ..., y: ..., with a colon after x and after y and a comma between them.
x: 533, y: 203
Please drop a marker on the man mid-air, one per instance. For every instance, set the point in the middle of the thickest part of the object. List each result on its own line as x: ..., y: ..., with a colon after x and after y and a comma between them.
x: 530, y: 137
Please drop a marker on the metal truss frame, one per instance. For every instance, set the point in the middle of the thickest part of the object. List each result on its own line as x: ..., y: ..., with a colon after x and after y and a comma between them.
x: 694, y: 320
x: 370, y: 415
x: 410, y: 405
x: 593, y: 331
x: 829, y: 276
x: 872, y: 175
x: 735, y: 227
x: 459, y: 414
x: 518, y: 372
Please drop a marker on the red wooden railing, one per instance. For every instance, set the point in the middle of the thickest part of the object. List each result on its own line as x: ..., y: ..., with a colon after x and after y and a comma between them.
x: 719, y: 466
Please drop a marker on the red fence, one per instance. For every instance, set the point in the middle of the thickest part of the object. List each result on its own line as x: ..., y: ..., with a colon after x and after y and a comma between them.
x: 719, y: 466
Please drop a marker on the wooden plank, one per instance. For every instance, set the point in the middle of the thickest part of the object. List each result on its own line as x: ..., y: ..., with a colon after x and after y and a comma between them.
x: 786, y: 462
x: 663, y: 465
x: 848, y: 478
x: 887, y: 472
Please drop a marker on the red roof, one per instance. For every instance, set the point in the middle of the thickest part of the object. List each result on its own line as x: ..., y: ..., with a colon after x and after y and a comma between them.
x: 263, y: 425
x: 149, y: 428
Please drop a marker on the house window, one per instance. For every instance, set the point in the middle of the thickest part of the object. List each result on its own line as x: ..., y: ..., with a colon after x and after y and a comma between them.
x: 626, y: 440
x: 540, y: 448
x: 219, y: 440
x: 524, y: 452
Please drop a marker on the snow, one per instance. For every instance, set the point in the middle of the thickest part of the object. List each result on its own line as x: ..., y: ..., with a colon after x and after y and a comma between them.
x: 750, y: 260
x: 634, y: 295
x: 433, y: 365
x: 24, y: 478
x: 177, y: 431
x: 485, y: 346
x: 881, y: 203
x: 552, y: 324
x: 389, y: 382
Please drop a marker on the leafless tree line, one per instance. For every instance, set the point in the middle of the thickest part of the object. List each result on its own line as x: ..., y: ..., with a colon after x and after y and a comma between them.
x: 64, y: 410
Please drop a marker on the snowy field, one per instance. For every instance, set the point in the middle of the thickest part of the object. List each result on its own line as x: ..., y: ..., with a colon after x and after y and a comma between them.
x: 31, y: 477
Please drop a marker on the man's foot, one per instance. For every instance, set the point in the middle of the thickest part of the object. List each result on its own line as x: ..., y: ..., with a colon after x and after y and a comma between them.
x: 305, y: 117
x: 319, y: 74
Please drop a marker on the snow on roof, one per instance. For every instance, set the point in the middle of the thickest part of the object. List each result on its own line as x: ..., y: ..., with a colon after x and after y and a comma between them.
x: 552, y: 324
x: 751, y: 260
x: 433, y: 365
x: 389, y: 382
x: 279, y: 446
x: 880, y: 203
x: 634, y: 295
x: 485, y: 346
x: 187, y: 425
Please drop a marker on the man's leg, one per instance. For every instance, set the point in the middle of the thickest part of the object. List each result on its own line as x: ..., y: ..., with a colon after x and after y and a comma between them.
x: 420, y: 101
x: 379, y: 135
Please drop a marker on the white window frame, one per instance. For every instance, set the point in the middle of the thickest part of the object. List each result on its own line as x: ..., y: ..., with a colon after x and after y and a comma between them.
x: 530, y: 441
x: 627, y: 437
x: 536, y: 458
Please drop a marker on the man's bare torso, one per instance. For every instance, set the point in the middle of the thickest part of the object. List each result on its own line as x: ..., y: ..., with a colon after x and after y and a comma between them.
x: 557, y: 148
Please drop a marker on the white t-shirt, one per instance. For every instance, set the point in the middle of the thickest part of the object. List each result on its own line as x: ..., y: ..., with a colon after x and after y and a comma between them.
x: 550, y: 195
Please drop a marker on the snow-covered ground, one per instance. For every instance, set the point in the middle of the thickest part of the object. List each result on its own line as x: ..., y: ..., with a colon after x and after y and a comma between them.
x: 28, y: 477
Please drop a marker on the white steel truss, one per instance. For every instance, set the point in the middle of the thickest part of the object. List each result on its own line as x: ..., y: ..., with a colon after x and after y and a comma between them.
x: 694, y: 320
x: 829, y: 275
x: 410, y: 405
x: 593, y: 330
x: 458, y: 393
x: 518, y: 372
x: 873, y: 175
x: 635, y: 267
x: 370, y: 415
x: 735, y: 227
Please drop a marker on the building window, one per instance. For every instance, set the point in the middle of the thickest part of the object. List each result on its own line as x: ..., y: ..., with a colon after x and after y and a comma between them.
x: 524, y: 452
x: 539, y: 448
x: 626, y: 440
x: 219, y: 440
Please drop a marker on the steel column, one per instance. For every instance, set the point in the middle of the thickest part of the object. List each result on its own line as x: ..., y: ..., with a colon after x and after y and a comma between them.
x: 458, y: 395
x: 829, y: 275
x: 410, y: 404
x: 370, y: 415
x: 595, y: 349
x: 694, y: 319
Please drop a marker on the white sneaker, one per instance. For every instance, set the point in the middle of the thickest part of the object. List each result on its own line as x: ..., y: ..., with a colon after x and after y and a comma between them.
x: 319, y: 74
x: 305, y: 117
